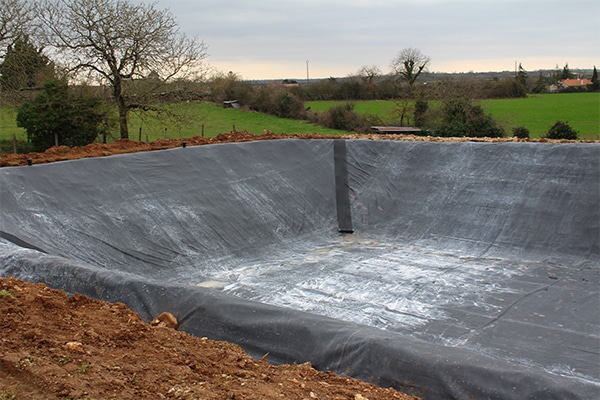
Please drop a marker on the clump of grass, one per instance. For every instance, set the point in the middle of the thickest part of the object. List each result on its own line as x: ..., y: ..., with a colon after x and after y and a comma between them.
x: 62, y: 360
x: 84, y: 368
x: 6, y: 293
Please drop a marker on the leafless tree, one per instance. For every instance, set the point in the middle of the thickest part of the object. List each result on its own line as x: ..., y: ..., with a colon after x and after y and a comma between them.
x: 409, y: 64
x: 118, y: 42
x: 16, y: 19
x: 369, y: 73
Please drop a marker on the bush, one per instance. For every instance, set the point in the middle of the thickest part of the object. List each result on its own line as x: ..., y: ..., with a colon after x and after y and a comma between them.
x: 420, y: 115
x: 231, y: 87
x: 562, y: 130
x: 55, y: 117
x: 344, y: 118
x: 521, y: 132
x: 290, y: 106
x: 278, y: 101
x: 461, y: 118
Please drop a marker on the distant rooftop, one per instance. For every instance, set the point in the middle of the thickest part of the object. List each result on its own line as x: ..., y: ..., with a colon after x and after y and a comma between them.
x: 576, y: 82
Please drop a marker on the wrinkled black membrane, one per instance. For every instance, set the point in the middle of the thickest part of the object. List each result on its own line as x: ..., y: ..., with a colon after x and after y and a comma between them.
x: 472, y: 271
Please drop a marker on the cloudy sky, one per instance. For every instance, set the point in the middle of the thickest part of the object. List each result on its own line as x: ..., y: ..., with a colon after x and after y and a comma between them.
x: 273, y: 39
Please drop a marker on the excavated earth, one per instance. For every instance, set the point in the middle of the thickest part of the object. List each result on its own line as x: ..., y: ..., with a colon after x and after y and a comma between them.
x: 58, y: 347
x: 63, y: 153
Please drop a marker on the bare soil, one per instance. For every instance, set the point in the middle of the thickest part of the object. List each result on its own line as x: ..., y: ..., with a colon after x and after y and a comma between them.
x: 58, y: 347
x: 62, y: 153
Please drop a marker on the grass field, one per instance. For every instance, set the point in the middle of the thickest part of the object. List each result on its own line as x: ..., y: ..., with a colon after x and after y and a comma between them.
x: 539, y: 112
x: 8, y: 124
x: 536, y: 112
x: 215, y: 119
x: 218, y: 120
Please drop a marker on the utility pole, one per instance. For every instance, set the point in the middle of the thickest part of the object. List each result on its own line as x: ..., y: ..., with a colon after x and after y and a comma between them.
x: 307, y: 79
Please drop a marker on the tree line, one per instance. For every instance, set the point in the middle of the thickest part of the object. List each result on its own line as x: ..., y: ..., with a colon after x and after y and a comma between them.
x: 115, y: 53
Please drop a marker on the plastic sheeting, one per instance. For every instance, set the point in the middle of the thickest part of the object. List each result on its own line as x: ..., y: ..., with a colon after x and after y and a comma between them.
x: 472, y: 270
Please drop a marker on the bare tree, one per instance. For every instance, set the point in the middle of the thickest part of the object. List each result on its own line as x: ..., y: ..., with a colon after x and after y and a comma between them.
x: 117, y: 42
x: 16, y: 19
x: 369, y: 73
x: 409, y: 64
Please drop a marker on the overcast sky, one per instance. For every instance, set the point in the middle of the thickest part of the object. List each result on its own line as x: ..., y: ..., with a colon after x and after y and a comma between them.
x: 273, y: 39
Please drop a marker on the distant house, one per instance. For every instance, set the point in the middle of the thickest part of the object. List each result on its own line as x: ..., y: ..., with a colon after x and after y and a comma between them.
x: 574, y: 84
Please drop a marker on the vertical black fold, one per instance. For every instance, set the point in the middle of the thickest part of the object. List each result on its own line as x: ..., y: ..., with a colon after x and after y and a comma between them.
x: 342, y: 189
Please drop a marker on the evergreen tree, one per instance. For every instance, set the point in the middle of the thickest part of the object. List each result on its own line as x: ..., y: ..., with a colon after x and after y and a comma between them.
x: 562, y: 130
x: 541, y: 85
x: 521, y: 132
x: 25, y: 66
x: 566, y: 73
x: 58, y: 117
x: 595, y: 83
x: 522, y: 77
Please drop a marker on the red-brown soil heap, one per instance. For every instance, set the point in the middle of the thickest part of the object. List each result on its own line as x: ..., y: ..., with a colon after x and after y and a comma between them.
x: 54, y: 347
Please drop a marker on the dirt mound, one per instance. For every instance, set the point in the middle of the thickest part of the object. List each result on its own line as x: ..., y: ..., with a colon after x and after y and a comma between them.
x: 63, y: 153
x: 58, y: 347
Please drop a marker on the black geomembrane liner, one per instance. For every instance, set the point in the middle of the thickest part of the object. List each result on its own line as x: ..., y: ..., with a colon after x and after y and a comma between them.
x: 472, y: 272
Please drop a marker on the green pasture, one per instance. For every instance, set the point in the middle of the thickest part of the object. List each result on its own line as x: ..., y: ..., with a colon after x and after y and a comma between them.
x: 8, y: 125
x: 539, y: 112
x: 536, y: 112
x: 189, y: 120
x: 195, y: 118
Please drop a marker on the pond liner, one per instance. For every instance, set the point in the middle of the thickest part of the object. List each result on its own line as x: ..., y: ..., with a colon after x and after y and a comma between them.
x: 473, y: 270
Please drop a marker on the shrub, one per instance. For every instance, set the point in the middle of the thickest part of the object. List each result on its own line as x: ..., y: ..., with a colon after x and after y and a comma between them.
x: 57, y: 117
x: 562, y: 130
x: 344, y: 117
x: 290, y: 106
x: 278, y: 101
x: 421, y: 108
x: 231, y: 87
x: 521, y: 132
x: 462, y: 118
